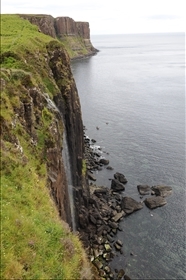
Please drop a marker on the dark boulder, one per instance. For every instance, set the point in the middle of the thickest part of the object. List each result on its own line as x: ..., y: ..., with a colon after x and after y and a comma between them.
x: 118, y: 216
x: 110, y: 167
x: 91, y: 176
x: 161, y: 190
x: 154, y: 202
x: 120, y: 274
x: 101, y: 190
x: 130, y: 205
x: 126, y: 277
x: 144, y: 189
x: 120, y: 177
x: 117, y: 186
x: 104, y: 161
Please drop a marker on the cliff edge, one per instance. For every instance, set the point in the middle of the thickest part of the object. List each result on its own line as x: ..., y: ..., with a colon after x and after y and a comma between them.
x: 74, y: 35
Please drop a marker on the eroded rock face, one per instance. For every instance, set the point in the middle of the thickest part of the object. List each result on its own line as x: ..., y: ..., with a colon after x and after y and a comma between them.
x: 69, y: 105
x: 65, y: 26
x: 83, y: 29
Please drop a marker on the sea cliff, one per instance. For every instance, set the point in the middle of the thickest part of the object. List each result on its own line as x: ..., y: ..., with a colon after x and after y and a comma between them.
x: 39, y: 107
x: 74, y: 35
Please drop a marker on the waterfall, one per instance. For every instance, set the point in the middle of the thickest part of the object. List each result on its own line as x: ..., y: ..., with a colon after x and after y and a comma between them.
x: 66, y: 160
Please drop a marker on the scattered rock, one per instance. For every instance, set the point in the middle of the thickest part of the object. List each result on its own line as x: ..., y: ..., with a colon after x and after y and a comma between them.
x: 118, y: 216
x: 101, y: 190
x: 107, y: 269
x: 154, y: 202
x: 161, y: 190
x: 120, y: 177
x: 104, y: 161
x: 118, y: 245
x: 117, y: 186
x: 144, y: 189
x: 121, y: 273
x: 110, y: 167
x: 105, y: 208
x: 98, y: 264
x: 107, y: 247
x: 91, y: 176
x: 130, y: 205
x: 113, y: 225
x: 126, y: 277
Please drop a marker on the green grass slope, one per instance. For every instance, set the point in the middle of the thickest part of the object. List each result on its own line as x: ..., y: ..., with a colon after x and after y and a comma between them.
x: 35, y: 242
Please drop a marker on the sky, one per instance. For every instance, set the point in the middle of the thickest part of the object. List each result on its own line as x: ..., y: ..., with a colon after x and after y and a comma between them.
x: 110, y: 16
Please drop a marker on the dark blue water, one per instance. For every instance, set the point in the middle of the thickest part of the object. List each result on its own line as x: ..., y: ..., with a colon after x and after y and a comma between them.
x: 134, y: 91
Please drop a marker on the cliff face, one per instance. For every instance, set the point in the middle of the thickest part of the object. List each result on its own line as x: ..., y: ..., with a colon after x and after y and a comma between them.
x: 67, y: 26
x: 44, y: 22
x: 39, y: 102
x: 69, y: 105
x: 42, y: 121
x: 75, y: 35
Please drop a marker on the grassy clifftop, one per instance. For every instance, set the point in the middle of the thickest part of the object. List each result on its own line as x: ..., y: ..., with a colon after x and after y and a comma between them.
x: 35, y: 242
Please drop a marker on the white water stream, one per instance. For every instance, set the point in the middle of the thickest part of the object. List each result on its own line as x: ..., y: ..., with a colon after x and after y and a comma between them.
x: 66, y: 160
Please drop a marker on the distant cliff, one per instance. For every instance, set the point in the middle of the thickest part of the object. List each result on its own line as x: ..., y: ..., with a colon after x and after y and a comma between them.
x: 75, y: 35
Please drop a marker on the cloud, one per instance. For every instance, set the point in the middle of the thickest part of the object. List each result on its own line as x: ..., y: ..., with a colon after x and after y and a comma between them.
x: 118, y: 16
x: 163, y: 17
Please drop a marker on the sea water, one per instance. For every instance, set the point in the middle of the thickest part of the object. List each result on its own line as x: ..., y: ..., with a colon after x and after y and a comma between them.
x: 132, y: 96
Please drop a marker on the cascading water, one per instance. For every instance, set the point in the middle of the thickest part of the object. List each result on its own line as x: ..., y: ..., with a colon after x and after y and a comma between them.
x: 66, y: 160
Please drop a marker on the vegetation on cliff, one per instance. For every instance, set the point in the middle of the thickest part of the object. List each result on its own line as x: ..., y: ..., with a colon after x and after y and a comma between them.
x: 35, y: 242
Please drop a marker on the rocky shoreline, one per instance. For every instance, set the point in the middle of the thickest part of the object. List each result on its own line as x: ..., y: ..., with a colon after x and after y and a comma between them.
x: 106, y: 208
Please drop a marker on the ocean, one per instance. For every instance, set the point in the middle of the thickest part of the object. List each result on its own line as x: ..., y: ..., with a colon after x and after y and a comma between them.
x: 133, y: 90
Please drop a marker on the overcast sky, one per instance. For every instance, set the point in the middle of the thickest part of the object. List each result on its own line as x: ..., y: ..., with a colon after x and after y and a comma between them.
x: 110, y: 16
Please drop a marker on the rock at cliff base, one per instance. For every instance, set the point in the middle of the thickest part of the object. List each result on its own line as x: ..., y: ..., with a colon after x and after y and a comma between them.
x: 144, y: 189
x: 120, y: 274
x: 162, y: 190
x: 118, y: 216
x: 120, y: 177
x: 117, y: 186
x: 130, y: 205
x: 110, y: 167
x: 154, y: 202
x: 91, y: 177
x: 104, y: 161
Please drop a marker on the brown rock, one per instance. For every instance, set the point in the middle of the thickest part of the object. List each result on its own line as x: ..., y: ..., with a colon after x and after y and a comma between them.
x: 162, y: 190
x: 117, y: 186
x: 144, y: 189
x: 130, y: 205
x: 120, y: 177
x: 154, y: 202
